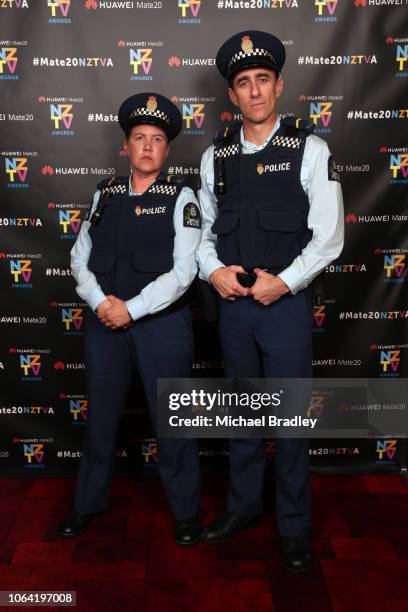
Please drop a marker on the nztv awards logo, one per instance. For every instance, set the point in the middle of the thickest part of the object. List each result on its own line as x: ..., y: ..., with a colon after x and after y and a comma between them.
x: 16, y: 169
x: 30, y: 362
x: 386, y: 451
x: 8, y: 62
x: 149, y: 451
x: 20, y: 268
x: 78, y: 409
x: 193, y: 112
x: 33, y: 450
x: 401, y: 54
x: 61, y: 114
x: 394, y: 264
x: 320, y: 313
x: 58, y: 11
x: 189, y: 10
x: 321, y: 111
x: 70, y: 222
x: 77, y: 405
x: 398, y: 164
x: 326, y: 10
x: 317, y: 404
x: 389, y: 357
x: 71, y: 317
x: 140, y: 58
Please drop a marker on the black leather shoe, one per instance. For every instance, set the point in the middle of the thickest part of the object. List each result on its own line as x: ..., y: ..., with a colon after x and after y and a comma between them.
x: 188, y: 532
x: 226, y: 526
x: 74, y: 524
x: 297, y: 554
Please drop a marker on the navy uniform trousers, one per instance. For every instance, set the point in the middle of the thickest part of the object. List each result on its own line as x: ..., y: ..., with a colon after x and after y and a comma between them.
x: 270, y: 341
x: 161, y: 346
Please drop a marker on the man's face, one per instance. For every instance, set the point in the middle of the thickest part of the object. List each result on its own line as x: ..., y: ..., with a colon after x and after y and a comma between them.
x: 255, y: 91
x: 147, y: 148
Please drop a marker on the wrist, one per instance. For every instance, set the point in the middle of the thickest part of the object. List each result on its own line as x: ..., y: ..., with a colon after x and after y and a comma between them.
x: 213, y: 274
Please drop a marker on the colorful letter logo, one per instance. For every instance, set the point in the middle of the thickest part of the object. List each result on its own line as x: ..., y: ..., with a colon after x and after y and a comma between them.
x: 316, y: 406
x: 387, y: 447
x: 72, y: 316
x: 8, y: 58
x: 390, y: 359
x: 394, y: 264
x: 402, y: 56
x: 319, y: 315
x: 193, y: 112
x: 61, y: 112
x: 193, y: 5
x: 63, y: 6
x: 20, y: 266
x: 79, y: 408
x: 30, y: 362
x: 141, y: 57
x: 399, y: 163
x: 34, y: 451
x: 321, y: 111
x: 329, y: 5
x: 16, y: 165
x: 71, y: 219
x: 149, y: 451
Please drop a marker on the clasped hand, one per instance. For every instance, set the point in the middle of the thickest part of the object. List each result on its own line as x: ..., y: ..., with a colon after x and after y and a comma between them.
x: 113, y: 313
x: 266, y: 289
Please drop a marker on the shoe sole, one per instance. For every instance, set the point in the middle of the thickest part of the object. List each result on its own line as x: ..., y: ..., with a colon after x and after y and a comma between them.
x: 187, y: 544
x: 70, y: 535
x: 298, y: 571
x: 255, y: 522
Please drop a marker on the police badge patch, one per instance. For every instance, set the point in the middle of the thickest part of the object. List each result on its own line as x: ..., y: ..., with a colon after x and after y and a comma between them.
x: 191, y: 216
x: 333, y: 173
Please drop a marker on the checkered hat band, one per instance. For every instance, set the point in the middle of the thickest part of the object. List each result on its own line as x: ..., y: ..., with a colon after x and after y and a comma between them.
x: 261, y: 53
x: 140, y: 112
x: 286, y: 141
x: 115, y: 190
x: 227, y: 151
x: 164, y: 189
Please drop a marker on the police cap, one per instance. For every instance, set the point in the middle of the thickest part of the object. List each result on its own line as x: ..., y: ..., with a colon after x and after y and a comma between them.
x: 151, y: 108
x: 250, y: 49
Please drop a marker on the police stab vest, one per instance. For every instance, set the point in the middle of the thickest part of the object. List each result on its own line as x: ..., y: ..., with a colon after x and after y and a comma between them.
x: 132, y: 244
x: 262, y: 207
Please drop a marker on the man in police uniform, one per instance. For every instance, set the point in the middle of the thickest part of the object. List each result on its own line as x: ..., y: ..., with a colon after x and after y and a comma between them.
x: 133, y: 261
x: 272, y: 220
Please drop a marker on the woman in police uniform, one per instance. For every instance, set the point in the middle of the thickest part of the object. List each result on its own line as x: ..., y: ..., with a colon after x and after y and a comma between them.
x: 133, y: 262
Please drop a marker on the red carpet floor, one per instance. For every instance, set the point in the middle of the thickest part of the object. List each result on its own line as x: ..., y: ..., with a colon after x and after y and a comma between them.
x: 127, y: 560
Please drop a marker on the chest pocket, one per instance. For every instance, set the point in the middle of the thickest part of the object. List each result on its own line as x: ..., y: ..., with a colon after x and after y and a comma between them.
x: 277, y: 237
x: 226, y: 229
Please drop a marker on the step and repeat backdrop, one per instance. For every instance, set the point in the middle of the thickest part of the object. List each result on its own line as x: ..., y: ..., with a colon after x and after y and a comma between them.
x: 65, y: 68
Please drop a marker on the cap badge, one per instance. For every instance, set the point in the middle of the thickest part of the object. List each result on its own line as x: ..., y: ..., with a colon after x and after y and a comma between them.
x: 151, y: 103
x: 247, y: 45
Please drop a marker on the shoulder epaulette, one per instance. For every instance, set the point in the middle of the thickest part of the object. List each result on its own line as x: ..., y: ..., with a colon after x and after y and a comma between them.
x: 304, y: 126
x: 174, y: 179
x: 227, y: 132
x: 169, y: 184
x: 113, y: 180
x: 115, y: 185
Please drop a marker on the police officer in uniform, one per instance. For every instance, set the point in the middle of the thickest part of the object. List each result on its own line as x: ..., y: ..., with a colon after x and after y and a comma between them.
x: 133, y: 262
x: 272, y: 220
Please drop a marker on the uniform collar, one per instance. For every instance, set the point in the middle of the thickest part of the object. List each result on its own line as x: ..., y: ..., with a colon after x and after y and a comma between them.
x: 250, y: 147
x: 134, y: 193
